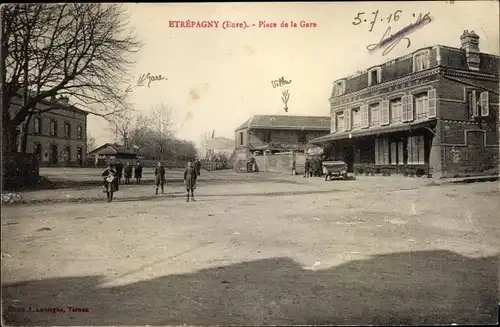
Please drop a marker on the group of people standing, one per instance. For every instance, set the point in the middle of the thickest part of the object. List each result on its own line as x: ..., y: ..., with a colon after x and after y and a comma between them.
x: 113, y: 174
x: 312, y: 167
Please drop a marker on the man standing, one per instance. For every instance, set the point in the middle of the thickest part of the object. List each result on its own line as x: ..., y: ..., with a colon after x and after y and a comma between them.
x: 307, y: 167
x: 119, y: 171
x: 160, y: 176
x: 190, y: 181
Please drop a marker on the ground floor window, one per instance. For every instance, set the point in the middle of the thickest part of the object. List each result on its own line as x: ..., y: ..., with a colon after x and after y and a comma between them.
x: 382, y: 151
x: 397, y: 153
x: 416, y: 150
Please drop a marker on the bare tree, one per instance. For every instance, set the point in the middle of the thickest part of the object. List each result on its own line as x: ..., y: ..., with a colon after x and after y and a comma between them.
x: 90, y: 144
x: 205, y: 140
x: 161, y: 125
x: 132, y: 129
x: 79, y: 50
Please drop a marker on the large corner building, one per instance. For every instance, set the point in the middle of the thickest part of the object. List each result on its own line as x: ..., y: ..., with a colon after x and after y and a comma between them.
x: 433, y: 111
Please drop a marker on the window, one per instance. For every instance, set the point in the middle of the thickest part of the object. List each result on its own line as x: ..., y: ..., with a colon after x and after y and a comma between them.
x: 356, y: 118
x: 484, y: 103
x: 382, y: 151
x: 416, y: 150
x: 374, y: 76
x: 79, y: 131
x: 53, y: 128
x: 338, y: 88
x: 302, y: 138
x: 421, y: 106
x: 340, y: 122
x: 421, y: 61
x: 67, y: 130
x: 375, y: 115
x: 241, y: 138
x: 396, y: 108
x: 38, y: 125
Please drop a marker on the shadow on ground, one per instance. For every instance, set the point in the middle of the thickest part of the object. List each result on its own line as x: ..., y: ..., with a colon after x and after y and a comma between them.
x: 430, y: 287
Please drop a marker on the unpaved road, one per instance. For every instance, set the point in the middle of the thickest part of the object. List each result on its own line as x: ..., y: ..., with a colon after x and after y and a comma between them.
x: 372, y: 251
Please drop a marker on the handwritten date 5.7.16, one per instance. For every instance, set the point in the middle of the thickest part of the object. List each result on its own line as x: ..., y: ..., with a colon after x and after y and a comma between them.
x: 376, y: 17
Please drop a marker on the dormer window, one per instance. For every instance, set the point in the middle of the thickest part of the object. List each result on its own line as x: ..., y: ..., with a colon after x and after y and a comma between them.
x: 421, y: 61
x: 374, y: 76
x: 338, y: 88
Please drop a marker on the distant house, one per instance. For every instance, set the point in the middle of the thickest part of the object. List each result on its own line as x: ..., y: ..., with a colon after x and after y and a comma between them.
x: 278, y: 133
x: 218, y: 146
x: 110, y: 152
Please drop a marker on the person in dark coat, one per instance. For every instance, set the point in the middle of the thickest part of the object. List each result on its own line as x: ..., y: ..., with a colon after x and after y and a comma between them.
x: 198, y: 166
x: 138, y: 173
x: 119, y: 172
x: 307, y: 167
x: 109, y: 187
x: 160, y: 177
x: 128, y: 173
x: 190, y: 176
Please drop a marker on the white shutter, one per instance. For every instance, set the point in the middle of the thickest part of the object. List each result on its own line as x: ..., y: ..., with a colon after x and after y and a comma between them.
x: 404, y: 111
x: 410, y: 108
x: 431, y: 111
x: 347, y: 119
x: 474, y: 104
x: 409, y: 148
x: 333, y: 123
x: 364, y: 116
x: 484, y: 98
x: 377, y: 151
x: 385, y: 112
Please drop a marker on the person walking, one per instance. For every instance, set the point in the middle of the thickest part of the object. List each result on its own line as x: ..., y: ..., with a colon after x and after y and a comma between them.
x: 109, y: 187
x: 198, y: 167
x: 160, y: 176
x: 119, y: 172
x: 190, y: 176
x: 138, y: 173
x: 128, y: 173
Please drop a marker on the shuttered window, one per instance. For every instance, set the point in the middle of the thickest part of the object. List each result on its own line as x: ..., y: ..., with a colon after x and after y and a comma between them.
x: 385, y: 112
x: 484, y: 102
x: 381, y: 151
x: 416, y: 150
x: 432, y: 103
x: 375, y: 115
x: 396, y: 109
x: 364, y: 116
x: 347, y: 118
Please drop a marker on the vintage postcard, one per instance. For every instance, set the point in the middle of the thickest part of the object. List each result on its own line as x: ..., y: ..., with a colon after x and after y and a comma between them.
x: 260, y: 163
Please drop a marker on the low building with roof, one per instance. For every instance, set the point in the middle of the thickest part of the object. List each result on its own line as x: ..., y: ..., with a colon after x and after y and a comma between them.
x: 110, y: 152
x: 278, y: 133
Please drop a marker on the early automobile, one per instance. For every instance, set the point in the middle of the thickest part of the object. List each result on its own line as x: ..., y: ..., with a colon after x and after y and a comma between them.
x: 334, y: 169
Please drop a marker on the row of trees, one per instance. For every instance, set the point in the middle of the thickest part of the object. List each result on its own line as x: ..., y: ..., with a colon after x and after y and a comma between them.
x: 79, y: 50
x: 152, y: 135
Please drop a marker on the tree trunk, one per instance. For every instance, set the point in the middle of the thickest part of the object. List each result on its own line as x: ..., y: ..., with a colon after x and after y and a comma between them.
x: 23, y: 142
x: 9, y: 137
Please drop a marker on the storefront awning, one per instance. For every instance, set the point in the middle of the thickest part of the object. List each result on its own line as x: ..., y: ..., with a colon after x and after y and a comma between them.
x: 371, y: 131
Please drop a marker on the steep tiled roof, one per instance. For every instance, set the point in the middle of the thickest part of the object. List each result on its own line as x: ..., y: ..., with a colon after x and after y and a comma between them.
x: 288, y: 122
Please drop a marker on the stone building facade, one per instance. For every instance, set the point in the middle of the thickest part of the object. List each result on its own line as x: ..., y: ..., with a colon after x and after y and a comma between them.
x: 278, y: 133
x: 58, y: 135
x: 433, y: 111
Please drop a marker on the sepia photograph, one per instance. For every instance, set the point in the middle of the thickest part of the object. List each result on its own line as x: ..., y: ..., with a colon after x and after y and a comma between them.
x: 250, y: 163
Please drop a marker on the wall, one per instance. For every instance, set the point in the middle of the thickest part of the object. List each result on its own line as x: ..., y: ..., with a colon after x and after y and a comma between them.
x: 237, y: 142
x: 281, y: 162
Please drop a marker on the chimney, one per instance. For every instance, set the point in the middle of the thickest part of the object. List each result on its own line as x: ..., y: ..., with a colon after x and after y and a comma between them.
x: 470, y: 43
x: 63, y: 99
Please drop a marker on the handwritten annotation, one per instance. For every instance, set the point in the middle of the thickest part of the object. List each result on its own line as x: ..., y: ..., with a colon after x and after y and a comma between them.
x: 239, y: 24
x: 146, y: 77
x: 389, y: 41
x: 280, y: 82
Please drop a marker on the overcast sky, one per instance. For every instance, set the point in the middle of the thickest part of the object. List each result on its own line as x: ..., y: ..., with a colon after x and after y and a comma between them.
x: 216, y: 78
